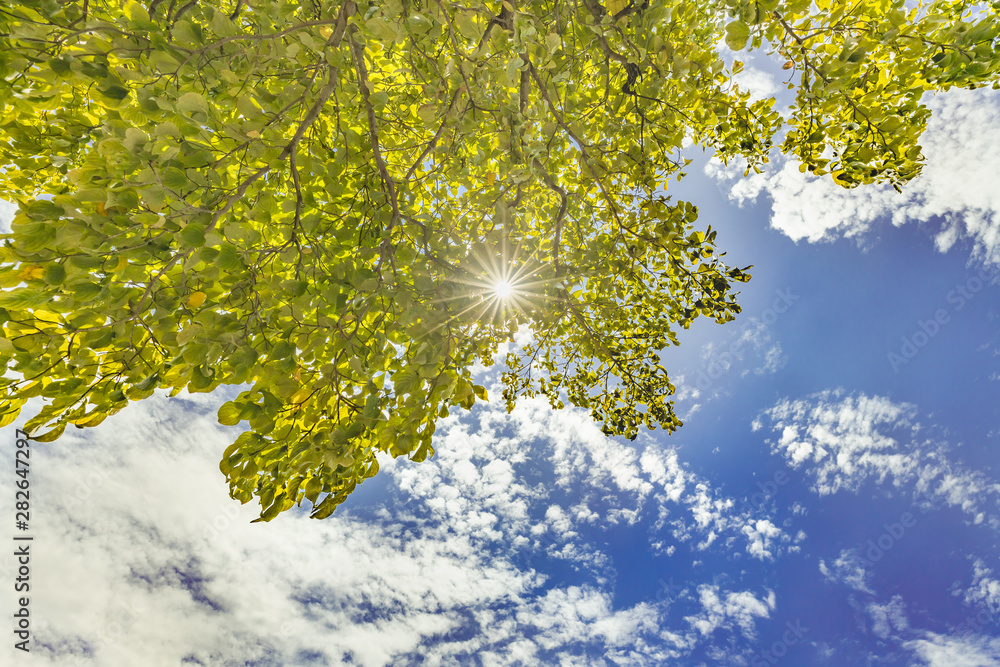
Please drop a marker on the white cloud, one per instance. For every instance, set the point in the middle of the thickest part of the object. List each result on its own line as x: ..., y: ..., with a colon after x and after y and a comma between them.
x: 749, y: 348
x: 773, y: 361
x: 985, y: 590
x: 7, y: 211
x: 761, y: 535
x: 956, y: 195
x: 940, y: 651
x: 146, y: 559
x: 889, y: 617
x: 760, y: 84
x: 564, y: 616
x: 726, y: 609
x: 842, y: 442
x: 847, y: 569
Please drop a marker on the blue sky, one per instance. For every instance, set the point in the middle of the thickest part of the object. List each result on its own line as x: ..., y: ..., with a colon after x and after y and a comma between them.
x: 824, y: 504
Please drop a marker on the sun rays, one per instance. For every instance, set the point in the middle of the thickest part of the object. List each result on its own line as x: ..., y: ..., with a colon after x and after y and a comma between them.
x: 507, y: 283
x: 497, y: 284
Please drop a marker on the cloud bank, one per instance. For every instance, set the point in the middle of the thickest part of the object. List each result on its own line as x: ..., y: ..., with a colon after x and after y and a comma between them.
x: 146, y: 559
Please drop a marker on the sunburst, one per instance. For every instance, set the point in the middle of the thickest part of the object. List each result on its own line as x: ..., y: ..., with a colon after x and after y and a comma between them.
x: 504, y: 281
x: 507, y: 282
x: 503, y: 290
x: 498, y: 282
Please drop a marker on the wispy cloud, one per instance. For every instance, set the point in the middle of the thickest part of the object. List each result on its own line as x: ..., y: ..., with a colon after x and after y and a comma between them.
x: 889, y: 617
x: 847, y: 569
x: 844, y: 441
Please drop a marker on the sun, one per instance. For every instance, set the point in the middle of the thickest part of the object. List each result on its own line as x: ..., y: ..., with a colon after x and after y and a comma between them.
x: 501, y: 285
x: 503, y: 290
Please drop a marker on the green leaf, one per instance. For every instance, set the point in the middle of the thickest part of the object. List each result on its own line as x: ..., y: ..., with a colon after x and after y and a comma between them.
x: 423, y: 452
x: 136, y: 11
x: 193, y: 235
x: 229, y: 414
x: 737, y: 34
x: 24, y: 297
x: 50, y: 436
x: 149, y: 382
x: 465, y: 22
x: 221, y: 24
x: 174, y: 178
x: 192, y: 102
x: 55, y: 274
x: 60, y: 65
x: 116, y: 92
x: 43, y: 210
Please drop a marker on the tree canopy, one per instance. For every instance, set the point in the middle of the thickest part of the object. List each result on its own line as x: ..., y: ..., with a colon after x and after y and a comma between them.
x: 347, y: 205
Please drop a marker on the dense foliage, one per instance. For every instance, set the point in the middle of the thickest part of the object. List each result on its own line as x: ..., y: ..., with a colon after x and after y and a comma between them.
x: 325, y: 199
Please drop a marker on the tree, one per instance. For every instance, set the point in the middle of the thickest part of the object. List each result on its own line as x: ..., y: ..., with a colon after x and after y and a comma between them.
x: 331, y: 201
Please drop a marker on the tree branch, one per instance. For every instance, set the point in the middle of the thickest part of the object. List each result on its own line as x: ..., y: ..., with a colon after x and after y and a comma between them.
x: 579, y: 142
x: 358, y: 52
x: 555, y: 187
